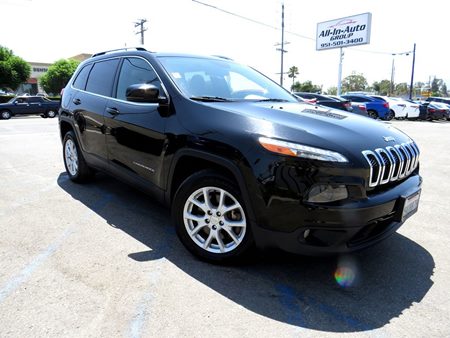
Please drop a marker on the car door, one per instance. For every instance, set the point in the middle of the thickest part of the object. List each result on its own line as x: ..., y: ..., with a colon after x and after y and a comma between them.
x: 135, y: 131
x: 94, y: 85
x: 22, y: 106
x: 36, y: 106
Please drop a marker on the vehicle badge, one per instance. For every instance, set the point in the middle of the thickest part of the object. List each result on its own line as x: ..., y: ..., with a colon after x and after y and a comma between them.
x: 388, y: 138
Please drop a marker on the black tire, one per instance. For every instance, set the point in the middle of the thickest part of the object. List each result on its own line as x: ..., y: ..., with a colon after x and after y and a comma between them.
x: 51, y: 113
x: 389, y: 116
x: 76, y: 166
x: 372, y: 114
x: 5, y: 115
x: 228, y: 244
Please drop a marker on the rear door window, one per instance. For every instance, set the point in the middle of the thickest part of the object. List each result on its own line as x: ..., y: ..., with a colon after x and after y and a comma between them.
x: 101, y: 77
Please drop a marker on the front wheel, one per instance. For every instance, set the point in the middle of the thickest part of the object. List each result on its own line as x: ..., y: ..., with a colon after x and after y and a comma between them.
x: 5, y: 114
x: 210, y: 218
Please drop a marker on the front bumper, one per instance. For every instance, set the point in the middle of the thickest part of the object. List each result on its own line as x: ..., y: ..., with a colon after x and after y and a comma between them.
x: 344, y: 228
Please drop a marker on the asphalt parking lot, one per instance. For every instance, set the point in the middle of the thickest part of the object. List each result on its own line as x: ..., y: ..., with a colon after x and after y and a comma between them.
x: 102, y: 260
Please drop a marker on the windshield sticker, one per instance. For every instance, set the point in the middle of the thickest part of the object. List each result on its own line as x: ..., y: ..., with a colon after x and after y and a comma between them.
x: 176, y: 75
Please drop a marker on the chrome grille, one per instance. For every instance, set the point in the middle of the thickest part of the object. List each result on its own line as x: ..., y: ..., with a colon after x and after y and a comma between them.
x: 391, y: 163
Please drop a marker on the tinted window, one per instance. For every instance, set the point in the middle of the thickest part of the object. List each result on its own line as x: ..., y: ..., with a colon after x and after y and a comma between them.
x: 101, y: 77
x: 80, y: 81
x: 135, y: 71
x: 34, y: 99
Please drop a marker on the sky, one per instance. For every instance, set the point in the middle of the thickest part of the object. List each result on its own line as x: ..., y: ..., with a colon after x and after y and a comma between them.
x: 49, y: 30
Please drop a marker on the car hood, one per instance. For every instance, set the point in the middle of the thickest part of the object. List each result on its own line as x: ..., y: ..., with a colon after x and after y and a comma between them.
x: 312, y: 125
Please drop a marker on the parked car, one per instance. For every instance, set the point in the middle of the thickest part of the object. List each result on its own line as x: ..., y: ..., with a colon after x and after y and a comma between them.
x: 441, y: 100
x: 237, y: 158
x: 375, y: 108
x: 431, y: 111
x: 400, y: 107
x: 29, y: 105
x: 359, y: 108
x: 324, y: 100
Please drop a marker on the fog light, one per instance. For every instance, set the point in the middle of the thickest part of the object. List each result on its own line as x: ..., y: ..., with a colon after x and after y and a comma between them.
x: 327, y: 193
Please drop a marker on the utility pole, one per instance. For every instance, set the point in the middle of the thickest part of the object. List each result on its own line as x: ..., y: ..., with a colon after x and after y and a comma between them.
x: 282, y: 50
x: 412, y: 73
x: 391, y: 88
x: 341, y: 58
x: 142, y: 29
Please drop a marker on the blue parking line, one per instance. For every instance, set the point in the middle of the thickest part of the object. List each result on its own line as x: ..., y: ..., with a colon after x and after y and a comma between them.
x: 14, y: 282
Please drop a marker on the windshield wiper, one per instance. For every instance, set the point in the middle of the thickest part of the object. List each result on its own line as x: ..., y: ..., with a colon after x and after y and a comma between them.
x: 209, y: 98
x: 273, y: 100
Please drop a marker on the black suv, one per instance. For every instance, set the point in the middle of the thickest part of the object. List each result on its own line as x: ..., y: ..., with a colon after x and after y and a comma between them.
x: 240, y: 161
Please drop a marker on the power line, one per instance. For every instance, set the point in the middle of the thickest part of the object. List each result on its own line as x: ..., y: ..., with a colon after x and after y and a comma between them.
x: 251, y: 20
x: 286, y: 31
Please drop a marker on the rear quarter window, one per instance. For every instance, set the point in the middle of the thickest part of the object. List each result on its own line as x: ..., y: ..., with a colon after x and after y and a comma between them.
x: 81, y: 79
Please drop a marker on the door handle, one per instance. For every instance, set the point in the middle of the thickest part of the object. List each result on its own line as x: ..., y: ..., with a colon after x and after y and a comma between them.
x: 76, y: 101
x: 113, y: 111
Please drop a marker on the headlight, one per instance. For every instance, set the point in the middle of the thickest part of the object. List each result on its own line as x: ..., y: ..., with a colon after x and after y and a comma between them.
x: 299, y: 150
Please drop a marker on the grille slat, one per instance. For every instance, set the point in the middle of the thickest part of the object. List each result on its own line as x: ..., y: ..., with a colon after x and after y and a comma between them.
x: 391, y: 163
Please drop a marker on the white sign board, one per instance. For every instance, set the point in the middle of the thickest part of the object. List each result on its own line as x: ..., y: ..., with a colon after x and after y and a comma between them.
x: 344, y: 32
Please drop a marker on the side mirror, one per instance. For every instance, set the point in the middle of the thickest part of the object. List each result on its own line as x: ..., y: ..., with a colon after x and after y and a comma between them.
x: 144, y: 93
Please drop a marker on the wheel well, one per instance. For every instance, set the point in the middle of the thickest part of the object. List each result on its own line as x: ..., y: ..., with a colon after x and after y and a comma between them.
x: 188, y: 165
x: 65, y: 127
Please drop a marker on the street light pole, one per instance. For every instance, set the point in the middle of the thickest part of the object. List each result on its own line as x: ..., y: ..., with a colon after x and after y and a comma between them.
x: 412, y: 73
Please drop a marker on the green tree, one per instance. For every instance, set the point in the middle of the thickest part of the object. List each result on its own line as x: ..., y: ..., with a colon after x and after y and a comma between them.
x: 292, y: 73
x: 354, y: 82
x: 401, y: 89
x: 13, y: 69
x: 306, y: 86
x: 382, y: 88
x: 444, y: 89
x: 58, y: 75
x: 332, y: 91
x: 436, y: 86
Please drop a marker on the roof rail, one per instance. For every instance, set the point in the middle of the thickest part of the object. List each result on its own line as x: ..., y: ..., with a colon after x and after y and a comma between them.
x: 142, y: 49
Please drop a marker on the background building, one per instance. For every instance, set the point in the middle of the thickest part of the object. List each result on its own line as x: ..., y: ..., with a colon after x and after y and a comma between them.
x: 31, y: 86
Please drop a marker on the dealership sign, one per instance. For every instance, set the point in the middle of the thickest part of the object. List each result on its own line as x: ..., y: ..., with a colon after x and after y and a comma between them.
x: 344, y: 32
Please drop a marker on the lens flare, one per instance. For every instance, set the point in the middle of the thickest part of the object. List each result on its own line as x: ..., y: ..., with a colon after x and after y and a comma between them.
x: 346, y: 273
x: 345, y: 276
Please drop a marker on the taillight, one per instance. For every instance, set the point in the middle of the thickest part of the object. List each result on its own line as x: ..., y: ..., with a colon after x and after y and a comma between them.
x: 431, y: 110
x: 386, y: 105
x: 362, y: 107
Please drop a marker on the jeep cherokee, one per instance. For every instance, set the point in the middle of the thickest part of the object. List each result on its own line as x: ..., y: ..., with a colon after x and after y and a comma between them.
x: 237, y: 158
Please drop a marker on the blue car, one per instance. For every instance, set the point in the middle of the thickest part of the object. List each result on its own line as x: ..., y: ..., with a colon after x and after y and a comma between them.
x: 376, y: 108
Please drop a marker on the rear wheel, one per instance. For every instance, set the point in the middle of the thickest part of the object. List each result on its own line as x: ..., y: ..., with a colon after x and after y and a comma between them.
x: 373, y: 114
x: 50, y: 113
x: 5, y: 114
x: 210, y: 218
x: 76, y: 166
x: 390, y: 115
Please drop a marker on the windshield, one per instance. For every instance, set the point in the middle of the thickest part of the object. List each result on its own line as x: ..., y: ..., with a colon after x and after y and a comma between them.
x: 221, y: 80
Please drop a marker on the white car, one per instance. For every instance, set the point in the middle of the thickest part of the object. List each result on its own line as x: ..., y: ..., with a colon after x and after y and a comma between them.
x: 400, y: 108
x: 412, y: 110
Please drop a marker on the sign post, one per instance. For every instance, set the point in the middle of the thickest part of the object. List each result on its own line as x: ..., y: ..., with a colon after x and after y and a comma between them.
x: 344, y: 32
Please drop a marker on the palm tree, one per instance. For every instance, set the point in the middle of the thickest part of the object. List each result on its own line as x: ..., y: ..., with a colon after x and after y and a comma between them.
x: 293, y: 72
